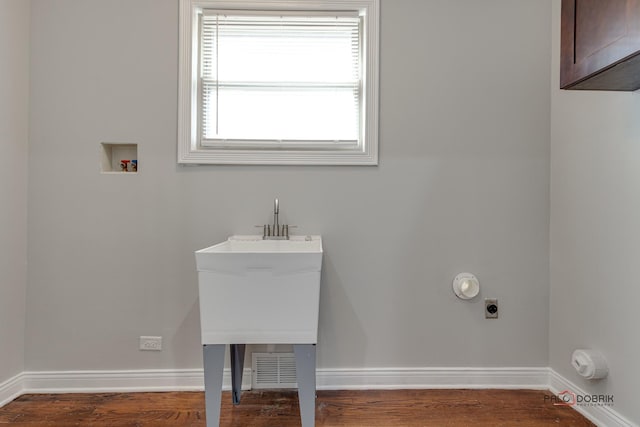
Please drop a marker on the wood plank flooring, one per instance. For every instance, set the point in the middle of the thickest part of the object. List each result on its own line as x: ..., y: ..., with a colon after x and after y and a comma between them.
x: 373, y: 408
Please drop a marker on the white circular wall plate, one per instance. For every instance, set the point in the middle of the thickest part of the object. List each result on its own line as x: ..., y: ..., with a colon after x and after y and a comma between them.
x: 466, y: 286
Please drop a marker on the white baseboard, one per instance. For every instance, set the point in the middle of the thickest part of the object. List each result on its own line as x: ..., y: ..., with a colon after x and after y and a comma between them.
x: 11, y: 389
x: 432, y: 378
x: 603, y: 416
x: 123, y: 381
x: 327, y: 379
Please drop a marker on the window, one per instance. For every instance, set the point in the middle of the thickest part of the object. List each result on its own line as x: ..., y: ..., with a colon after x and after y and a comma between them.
x: 278, y: 82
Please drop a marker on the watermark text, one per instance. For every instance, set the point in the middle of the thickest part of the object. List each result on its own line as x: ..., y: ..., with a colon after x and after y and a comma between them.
x: 569, y: 398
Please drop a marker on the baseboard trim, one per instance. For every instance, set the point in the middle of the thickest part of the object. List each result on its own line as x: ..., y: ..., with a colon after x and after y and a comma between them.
x: 603, y: 416
x: 432, y: 378
x: 11, y: 389
x: 327, y: 379
x: 123, y: 381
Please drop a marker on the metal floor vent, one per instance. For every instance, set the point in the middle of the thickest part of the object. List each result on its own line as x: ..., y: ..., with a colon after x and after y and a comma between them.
x: 273, y: 370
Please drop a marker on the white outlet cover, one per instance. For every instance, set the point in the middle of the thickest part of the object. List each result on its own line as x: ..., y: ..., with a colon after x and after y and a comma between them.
x: 148, y: 343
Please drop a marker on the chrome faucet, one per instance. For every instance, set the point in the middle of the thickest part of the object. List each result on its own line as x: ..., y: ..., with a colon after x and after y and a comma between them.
x: 275, y: 231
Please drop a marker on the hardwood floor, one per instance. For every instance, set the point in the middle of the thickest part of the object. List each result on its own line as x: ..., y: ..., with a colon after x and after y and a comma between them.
x: 374, y: 408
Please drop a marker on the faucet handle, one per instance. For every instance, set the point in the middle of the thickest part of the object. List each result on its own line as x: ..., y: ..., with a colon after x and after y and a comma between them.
x: 265, y: 230
x: 286, y: 228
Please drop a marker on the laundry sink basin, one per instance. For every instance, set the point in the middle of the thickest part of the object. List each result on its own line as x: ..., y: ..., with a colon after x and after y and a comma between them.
x: 257, y: 291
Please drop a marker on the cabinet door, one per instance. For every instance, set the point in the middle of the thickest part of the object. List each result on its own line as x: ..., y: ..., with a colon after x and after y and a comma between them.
x: 597, y: 35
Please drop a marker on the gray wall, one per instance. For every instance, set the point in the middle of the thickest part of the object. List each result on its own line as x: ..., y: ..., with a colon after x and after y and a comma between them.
x: 462, y: 185
x: 595, y: 234
x: 14, y: 114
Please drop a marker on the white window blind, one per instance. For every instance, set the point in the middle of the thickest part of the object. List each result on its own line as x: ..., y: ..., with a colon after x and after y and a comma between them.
x: 292, y: 78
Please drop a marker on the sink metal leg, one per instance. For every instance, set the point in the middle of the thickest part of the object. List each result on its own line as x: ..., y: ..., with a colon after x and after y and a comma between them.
x: 237, y: 366
x: 306, y: 373
x: 213, y: 355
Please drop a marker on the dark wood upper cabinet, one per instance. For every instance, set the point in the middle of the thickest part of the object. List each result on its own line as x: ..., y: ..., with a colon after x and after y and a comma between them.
x: 600, y: 46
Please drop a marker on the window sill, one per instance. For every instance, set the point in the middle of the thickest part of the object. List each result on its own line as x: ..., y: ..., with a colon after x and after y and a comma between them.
x: 277, y: 157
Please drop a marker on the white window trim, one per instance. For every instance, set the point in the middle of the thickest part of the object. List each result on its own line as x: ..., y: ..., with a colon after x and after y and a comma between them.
x: 188, y: 151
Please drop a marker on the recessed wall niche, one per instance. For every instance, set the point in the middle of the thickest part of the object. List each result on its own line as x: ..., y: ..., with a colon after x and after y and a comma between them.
x: 118, y: 158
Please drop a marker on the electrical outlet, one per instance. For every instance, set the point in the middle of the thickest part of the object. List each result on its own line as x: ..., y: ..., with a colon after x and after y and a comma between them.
x: 491, y: 308
x: 151, y: 343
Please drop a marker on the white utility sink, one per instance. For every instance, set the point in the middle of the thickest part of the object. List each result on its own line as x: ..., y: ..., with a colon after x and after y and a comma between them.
x: 257, y: 291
